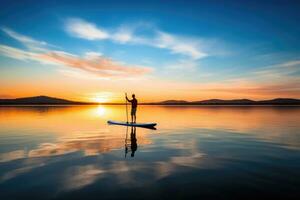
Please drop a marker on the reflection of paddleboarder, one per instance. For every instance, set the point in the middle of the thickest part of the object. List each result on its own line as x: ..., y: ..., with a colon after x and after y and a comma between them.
x: 133, y: 141
x: 134, y: 104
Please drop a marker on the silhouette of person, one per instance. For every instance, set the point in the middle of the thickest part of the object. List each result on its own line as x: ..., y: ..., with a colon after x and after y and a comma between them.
x: 134, y: 104
x: 133, y: 141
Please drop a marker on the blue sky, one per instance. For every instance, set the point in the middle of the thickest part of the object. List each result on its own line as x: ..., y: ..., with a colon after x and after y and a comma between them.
x: 199, y: 49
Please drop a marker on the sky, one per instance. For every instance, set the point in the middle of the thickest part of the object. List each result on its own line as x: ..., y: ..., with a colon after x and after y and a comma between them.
x: 159, y: 50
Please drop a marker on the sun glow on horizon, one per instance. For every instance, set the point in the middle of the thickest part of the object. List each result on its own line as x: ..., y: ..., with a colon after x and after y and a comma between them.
x: 100, y: 99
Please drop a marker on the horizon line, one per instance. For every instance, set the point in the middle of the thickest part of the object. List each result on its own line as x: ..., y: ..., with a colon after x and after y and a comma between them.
x: 244, y: 101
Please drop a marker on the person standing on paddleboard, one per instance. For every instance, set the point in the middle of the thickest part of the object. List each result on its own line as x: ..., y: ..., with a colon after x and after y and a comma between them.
x: 134, y: 104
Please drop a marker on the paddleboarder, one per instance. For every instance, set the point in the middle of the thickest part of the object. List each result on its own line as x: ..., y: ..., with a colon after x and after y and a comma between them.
x: 134, y: 104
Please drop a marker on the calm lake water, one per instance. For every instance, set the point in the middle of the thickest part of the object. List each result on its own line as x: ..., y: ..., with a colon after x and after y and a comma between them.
x: 234, y: 152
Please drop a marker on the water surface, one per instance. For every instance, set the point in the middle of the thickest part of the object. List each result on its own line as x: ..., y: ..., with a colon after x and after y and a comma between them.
x: 225, y: 152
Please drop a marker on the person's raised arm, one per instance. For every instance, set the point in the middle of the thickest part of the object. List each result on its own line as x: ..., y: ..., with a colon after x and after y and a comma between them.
x: 127, y: 98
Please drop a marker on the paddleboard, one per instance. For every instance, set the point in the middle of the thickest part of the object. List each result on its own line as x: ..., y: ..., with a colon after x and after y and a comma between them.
x: 143, y: 125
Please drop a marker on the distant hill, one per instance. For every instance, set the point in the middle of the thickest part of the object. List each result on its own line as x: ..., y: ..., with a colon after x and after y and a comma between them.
x: 174, y: 102
x: 224, y: 102
x: 37, y: 100
x: 45, y: 100
x: 278, y: 101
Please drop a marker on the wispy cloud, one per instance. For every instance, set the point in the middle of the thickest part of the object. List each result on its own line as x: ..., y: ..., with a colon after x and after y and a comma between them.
x: 283, y: 72
x: 83, y: 29
x: 92, y: 55
x: 92, y: 62
x: 16, y: 53
x: 28, y: 42
x: 180, y: 45
x: 182, y: 65
x: 187, y: 46
x: 98, y: 65
x: 290, y: 66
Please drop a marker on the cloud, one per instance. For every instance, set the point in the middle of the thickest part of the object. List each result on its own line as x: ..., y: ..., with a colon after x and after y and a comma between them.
x: 124, y: 35
x: 284, y: 72
x: 180, y: 45
x: 92, y: 55
x: 289, y: 63
x: 98, y: 65
x: 15, y: 53
x: 92, y: 62
x: 182, y: 66
x: 84, y: 29
x: 187, y: 46
x: 29, y: 42
x: 284, y: 68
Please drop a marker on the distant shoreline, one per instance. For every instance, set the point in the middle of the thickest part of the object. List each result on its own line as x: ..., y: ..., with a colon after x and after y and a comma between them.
x: 45, y: 100
x: 150, y: 104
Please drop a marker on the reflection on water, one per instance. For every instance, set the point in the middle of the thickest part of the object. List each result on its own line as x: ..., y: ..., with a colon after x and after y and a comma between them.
x: 70, y: 152
x: 131, y: 143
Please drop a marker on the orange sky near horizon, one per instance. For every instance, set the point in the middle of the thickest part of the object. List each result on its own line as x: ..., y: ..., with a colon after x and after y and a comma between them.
x: 147, y: 90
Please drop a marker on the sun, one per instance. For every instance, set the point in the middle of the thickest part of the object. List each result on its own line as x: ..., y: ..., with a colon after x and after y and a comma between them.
x: 100, y: 99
